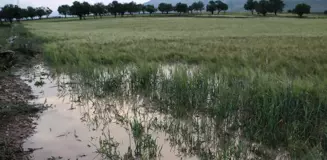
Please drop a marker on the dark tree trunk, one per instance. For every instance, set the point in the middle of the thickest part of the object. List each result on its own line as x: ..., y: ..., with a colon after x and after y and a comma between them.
x: 211, y: 12
x: 252, y: 12
x: 80, y: 17
x: 143, y: 12
x: 218, y: 11
x: 275, y: 13
x: 167, y: 12
x: 10, y: 20
x: 40, y: 17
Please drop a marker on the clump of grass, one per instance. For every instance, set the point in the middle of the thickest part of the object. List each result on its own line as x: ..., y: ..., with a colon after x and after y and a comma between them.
x: 18, y: 109
x: 39, y: 83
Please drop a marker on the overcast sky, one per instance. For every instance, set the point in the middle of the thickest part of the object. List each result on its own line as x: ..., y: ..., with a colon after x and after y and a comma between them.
x: 53, y: 4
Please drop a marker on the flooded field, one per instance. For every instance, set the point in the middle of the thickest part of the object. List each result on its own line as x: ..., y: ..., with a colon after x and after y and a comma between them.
x: 199, y: 89
x: 110, y: 115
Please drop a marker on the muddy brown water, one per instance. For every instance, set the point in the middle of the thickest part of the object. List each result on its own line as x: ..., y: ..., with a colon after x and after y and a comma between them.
x: 84, y: 123
x: 64, y: 133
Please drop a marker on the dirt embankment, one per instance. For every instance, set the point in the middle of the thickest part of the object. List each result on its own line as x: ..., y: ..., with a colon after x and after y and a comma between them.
x: 16, y: 114
x: 16, y: 117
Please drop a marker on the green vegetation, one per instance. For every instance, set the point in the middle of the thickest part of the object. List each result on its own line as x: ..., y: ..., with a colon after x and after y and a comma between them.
x: 272, y: 70
x: 301, y: 9
x: 262, y: 76
x: 164, y: 7
x: 192, y: 40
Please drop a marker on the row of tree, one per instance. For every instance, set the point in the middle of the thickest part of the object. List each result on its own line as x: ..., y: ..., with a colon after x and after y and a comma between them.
x: 99, y: 9
x: 10, y: 12
x: 265, y: 6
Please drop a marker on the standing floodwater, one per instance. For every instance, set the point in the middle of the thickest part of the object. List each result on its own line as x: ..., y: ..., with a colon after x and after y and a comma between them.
x: 156, y: 112
x: 83, y: 123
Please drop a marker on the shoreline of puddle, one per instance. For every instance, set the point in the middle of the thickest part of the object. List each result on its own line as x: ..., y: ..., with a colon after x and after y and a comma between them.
x: 61, y: 133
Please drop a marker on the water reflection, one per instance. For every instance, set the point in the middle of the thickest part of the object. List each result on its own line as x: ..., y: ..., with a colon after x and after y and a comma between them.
x: 123, y: 114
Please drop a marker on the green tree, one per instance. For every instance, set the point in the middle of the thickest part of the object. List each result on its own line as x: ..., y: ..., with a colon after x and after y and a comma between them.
x: 86, y: 9
x: 200, y: 6
x: 1, y: 16
x: 181, y: 8
x: 80, y: 9
x: 190, y: 9
x: 263, y: 7
x: 64, y: 10
x: 277, y: 5
x: 165, y: 7
x: 224, y: 7
x: 151, y: 9
x: 250, y: 5
x: 77, y: 9
x: 197, y: 6
x: 301, y: 9
x: 48, y: 11
x: 161, y: 7
x: 24, y: 13
x: 142, y: 8
x: 193, y: 7
x: 132, y: 7
x: 40, y: 12
x: 31, y: 12
x: 113, y: 8
x: 211, y: 6
x: 10, y: 11
x: 122, y: 9
x: 98, y: 9
x: 221, y: 6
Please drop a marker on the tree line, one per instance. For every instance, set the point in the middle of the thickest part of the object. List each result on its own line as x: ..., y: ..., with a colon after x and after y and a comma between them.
x: 274, y: 6
x: 115, y: 8
x: 82, y: 9
x: 10, y: 12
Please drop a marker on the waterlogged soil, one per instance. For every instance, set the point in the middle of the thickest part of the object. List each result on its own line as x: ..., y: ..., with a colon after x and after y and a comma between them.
x: 69, y: 129
x: 16, y: 117
x: 83, y: 124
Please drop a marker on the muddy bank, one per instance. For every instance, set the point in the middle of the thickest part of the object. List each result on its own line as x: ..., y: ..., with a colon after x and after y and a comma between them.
x: 16, y: 114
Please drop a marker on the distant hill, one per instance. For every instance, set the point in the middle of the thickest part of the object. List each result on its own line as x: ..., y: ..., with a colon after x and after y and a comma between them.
x: 237, y: 5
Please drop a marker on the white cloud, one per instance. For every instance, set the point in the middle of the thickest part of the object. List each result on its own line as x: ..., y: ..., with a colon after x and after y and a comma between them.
x: 53, y: 4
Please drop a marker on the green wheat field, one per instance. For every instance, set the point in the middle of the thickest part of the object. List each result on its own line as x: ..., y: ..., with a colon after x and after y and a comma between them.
x: 271, y: 72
